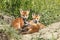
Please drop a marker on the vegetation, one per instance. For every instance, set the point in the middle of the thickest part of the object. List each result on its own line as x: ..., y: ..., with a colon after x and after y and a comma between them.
x: 48, y: 9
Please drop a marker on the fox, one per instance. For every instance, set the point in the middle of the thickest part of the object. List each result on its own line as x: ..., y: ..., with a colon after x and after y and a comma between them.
x: 19, y: 23
x: 34, y: 26
x: 36, y: 20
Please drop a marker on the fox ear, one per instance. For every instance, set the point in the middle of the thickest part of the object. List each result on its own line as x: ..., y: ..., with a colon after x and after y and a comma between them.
x: 21, y: 11
x: 39, y: 16
x: 33, y: 14
x: 27, y: 11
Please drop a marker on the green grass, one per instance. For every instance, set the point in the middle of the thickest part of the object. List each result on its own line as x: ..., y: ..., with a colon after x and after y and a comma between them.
x: 48, y: 9
x: 10, y: 31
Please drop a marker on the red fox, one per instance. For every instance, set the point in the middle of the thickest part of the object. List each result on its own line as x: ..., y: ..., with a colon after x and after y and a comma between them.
x: 18, y: 23
x: 36, y: 18
x: 34, y: 25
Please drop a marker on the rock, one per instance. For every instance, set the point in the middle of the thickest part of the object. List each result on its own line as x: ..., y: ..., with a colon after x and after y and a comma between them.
x: 58, y: 39
x: 3, y: 36
x: 7, y: 19
x: 52, y: 32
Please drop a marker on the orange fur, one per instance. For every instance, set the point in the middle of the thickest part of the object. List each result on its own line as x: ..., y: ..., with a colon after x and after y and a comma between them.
x: 33, y: 27
x: 18, y: 23
x: 41, y: 25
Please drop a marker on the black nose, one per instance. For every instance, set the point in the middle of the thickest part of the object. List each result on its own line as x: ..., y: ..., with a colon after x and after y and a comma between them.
x: 35, y: 21
x: 24, y: 18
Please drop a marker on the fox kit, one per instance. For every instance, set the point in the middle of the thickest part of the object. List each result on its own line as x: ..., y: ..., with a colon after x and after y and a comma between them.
x: 36, y: 18
x: 18, y: 23
x: 34, y: 25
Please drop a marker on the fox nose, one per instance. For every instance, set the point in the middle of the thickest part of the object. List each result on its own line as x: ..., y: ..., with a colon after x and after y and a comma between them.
x: 35, y: 21
x: 24, y: 18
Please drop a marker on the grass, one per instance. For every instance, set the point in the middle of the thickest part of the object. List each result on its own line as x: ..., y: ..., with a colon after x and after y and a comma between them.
x: 48, y: 9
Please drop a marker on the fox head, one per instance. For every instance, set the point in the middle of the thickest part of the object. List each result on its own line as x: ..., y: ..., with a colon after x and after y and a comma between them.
x: 35, y: 17
x: 24, y: 14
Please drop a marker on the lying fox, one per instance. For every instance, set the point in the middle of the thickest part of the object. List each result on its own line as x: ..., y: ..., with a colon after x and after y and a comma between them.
x: 34, y: 25
x: 18, y: 23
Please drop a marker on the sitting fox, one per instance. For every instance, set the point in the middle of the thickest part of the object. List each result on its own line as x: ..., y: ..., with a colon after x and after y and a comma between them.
x: 36, y: 18
x: 19, y: 23
x: 34, y: 26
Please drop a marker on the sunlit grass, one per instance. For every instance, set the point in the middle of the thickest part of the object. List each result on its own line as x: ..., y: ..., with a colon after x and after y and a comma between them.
x: 48, y: 9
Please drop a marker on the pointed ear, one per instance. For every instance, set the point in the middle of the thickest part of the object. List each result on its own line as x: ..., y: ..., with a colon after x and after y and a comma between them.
x: 27, y: 11
x: 39, y: 16
x: 21, y: 11
x: 33, y: 14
